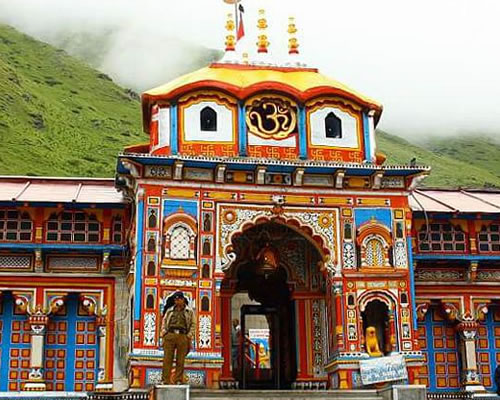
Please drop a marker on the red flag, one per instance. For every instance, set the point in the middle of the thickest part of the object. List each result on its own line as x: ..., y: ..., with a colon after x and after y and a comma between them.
x: 241, y: 28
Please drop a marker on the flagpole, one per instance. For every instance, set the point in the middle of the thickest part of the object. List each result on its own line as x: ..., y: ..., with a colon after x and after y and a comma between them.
x: 236, y: 16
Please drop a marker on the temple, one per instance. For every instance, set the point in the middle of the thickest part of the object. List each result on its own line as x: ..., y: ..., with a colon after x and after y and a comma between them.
x: 261, y: 196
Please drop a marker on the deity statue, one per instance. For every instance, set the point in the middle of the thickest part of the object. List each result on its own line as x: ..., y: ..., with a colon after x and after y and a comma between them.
x: 371, y: 342
x: 268, y: 259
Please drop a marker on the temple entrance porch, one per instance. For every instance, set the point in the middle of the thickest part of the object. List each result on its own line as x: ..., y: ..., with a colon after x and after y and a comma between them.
x: 274, y: 295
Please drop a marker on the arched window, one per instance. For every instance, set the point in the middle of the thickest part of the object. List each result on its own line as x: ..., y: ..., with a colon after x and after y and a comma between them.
x: 152, y: 219
x: 205, y: 271
x: 347, y: 231
x: 151, y: 244
x: 117, y: 230
x: 150, y: 301
x: 374, y: 253
x: 15, y: 226
x: 206, y: 247
x: 441, y: 237
x: 489, y: 238
x: 205, y: 304
x: 179, y: 243
x: 333, y: 126
x: 151, y: 270
x: 208, y: 119
x: 73, y: 226
x: 207, y: 222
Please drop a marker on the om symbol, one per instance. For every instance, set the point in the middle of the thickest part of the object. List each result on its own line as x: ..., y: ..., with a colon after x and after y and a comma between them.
x: 271, y: 118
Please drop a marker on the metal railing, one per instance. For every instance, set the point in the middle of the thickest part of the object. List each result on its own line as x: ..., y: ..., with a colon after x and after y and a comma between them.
x: 254, y: 362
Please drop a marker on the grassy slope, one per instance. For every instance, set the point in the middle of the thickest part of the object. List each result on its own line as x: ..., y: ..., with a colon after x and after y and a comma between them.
x: 482, y: 151
x: 60, y: 117
x: 448, y: 170
x: 57, y: 115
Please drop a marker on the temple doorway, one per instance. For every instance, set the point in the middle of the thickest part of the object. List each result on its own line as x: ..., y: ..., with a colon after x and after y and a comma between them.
x: 274, y: 280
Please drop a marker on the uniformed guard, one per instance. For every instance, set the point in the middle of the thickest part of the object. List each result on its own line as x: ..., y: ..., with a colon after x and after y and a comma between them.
x: 177, y: 331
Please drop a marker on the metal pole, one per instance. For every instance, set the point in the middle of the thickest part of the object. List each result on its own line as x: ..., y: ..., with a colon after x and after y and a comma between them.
x: 236, y: 17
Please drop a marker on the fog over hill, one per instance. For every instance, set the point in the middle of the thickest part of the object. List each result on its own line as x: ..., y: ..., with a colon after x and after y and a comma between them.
x: 430, y: 63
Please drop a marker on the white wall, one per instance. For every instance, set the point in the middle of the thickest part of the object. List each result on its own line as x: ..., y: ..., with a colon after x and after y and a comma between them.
x: 192, y: 131
x: 318, y: 134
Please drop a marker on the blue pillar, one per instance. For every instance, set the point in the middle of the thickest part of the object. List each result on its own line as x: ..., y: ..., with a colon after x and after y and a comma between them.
x: 138, y: 260
x: 174, y: 144
x: 302, y: 133
x: 412, y: 281
x: 242, y: 130
x: 366, y: 136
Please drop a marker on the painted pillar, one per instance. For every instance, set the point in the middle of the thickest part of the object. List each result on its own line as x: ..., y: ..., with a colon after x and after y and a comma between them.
x: 38, y: 324
x: 103, y: 383
x: 226, y: 336
x: 242, y: 130
x: 302, y: 133
x: 302, y: 338
x: 339, y: 326
x: 138, y: 265
x: 467, y: 331
x: 392, y: 331
x: 174, y: 145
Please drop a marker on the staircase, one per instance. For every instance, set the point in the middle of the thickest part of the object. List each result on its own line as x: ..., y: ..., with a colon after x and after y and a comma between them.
x: 204, y: 394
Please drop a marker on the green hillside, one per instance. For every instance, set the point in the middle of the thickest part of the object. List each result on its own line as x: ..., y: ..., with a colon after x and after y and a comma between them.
x: 57, y: 115
x: 448, y: 168
x: 60, y: 117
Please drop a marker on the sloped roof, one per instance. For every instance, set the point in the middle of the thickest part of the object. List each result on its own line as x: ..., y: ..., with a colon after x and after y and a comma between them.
x: 59, y: 190
x: 455, y: 201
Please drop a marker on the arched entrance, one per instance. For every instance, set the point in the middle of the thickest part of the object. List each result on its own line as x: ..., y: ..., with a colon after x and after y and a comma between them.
x: 276, y: 291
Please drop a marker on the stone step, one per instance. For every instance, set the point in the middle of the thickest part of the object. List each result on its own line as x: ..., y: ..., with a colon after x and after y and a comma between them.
x: 204, y: 394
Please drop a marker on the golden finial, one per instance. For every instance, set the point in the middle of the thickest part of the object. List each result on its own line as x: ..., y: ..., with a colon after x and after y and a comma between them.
x: 293, y: 43
x: 230, y: 38
x: 262, y: 42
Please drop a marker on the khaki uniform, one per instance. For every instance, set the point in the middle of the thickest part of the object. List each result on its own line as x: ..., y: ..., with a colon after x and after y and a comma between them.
x: 177, y: 329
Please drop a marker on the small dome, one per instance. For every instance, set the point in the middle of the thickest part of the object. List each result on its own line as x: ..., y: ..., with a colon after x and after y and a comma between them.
x: 243, y: 81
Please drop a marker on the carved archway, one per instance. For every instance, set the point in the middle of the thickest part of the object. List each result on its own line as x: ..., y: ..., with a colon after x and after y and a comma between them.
x: 318, y: 227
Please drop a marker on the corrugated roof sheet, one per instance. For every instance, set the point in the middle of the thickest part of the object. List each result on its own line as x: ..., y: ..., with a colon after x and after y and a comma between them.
x: 463, y: 201
x: 59, y: 190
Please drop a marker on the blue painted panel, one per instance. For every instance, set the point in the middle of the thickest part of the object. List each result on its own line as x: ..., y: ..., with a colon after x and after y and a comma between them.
x: 71, y: 318
x: 138, y: 260
x: 412, y: 281
x: 242, y: 130
x: 463, y: 257
x: 7, y: 308
x: 174, y: 144
x: 302, y: 133
x: 490, y: 324
x: 428, y: 325
x: 366, y: 136
x: 64, y: 247
x: 189, y: 207
x: 382, y: 215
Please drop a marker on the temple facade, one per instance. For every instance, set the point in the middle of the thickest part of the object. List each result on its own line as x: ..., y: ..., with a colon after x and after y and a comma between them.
x: 261, y: 196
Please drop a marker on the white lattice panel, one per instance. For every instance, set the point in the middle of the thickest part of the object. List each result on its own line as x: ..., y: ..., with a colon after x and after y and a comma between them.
x: 179, y: 244
x: 74, y: 263
x: 15, y: 262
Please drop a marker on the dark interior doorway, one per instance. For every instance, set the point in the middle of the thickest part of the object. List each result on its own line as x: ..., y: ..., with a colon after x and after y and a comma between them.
x: 277, y: 358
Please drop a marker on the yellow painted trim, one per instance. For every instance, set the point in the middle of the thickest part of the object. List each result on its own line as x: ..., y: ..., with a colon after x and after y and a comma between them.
x: 335, y: 200
x: 299, y: 199
x: 181, y: 193
x: 220, y: 195
x: 255, y: 197
x: 374, y: 202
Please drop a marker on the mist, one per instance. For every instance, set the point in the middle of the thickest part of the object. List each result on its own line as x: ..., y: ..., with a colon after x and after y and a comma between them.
x: 433, y: 64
